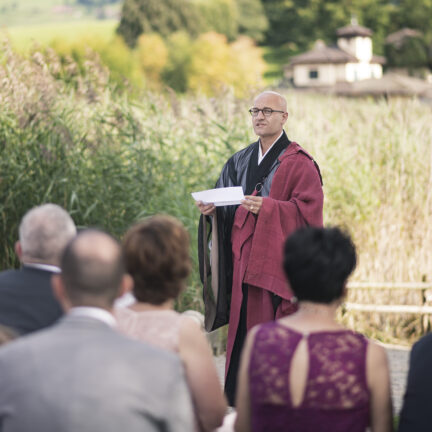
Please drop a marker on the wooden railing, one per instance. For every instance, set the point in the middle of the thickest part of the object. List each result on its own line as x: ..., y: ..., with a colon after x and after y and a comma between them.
x: 424, y: 309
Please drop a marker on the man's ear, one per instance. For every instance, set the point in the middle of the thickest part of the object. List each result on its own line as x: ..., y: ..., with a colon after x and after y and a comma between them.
x: 18, y: 250
x: 126, y: 284
x: 59, y: 291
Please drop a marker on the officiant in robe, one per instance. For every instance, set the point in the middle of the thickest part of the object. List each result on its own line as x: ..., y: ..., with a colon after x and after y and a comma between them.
x: 240, y: 247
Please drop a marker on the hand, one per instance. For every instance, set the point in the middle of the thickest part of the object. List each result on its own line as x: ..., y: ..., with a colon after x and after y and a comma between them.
x: 252, y: 203
x: 206, y: 209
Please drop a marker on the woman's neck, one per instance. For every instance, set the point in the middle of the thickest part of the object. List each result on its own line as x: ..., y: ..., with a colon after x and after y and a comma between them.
x: 320, y: 309
x: 319, y: 313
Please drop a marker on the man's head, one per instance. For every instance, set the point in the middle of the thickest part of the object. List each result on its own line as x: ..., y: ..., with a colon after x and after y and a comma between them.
x: 93, y: 271
x: 317, y: 263
x: 269, y: 126
x: 43, y: 234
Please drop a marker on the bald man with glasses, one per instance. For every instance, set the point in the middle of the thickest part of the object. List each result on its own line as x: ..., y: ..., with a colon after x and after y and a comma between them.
x: 242, y: 271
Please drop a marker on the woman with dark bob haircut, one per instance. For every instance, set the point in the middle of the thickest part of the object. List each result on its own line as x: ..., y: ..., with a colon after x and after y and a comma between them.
x: 306, y: 372
x: 157, y: 257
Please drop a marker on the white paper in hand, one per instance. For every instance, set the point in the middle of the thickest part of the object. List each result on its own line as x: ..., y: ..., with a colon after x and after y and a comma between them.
x: 221, y: 196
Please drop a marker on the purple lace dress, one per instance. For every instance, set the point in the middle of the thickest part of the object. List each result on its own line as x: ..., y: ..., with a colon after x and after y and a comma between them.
x: 336, y: 397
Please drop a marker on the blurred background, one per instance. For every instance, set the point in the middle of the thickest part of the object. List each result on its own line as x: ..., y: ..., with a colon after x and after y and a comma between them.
x: 119, y: 109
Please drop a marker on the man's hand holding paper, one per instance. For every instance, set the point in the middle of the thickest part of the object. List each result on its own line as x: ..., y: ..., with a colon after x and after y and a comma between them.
x: 208, y: 200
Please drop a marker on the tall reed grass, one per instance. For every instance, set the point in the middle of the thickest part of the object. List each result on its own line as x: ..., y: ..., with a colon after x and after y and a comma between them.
x: 111, y: 159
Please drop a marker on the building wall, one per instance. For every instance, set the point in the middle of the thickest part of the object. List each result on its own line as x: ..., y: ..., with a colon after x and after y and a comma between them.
x: 315, y: 75
x: 361, y: 71
x: 359, y: 46
x: 327, y: 74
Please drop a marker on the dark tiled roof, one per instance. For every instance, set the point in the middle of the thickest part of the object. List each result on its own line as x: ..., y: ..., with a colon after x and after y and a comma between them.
x: 378, y: 59
x: 353, y: 30
x: 398, y: 37
x: 389, y: 84
x: 323, y: 54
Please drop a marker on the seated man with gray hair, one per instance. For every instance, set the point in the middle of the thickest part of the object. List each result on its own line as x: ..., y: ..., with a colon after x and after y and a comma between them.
x: 26, y: 299
x: 81, y: 375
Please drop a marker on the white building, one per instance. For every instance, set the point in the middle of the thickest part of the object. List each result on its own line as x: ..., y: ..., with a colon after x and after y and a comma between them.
x: 351, y: 60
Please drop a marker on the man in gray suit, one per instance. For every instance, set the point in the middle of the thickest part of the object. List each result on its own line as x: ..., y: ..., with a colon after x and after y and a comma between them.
x: 80, y: 374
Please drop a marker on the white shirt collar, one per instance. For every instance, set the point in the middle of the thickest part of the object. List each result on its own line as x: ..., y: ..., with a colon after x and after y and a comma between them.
x: 93, y: 312
x: 47, y: 267
x: 260, y: 155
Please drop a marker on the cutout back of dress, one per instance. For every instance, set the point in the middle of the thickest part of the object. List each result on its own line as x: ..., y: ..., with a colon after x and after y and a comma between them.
x: 328, y: 392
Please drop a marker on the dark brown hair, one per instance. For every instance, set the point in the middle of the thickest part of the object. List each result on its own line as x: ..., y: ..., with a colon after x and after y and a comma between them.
x: 157, y: 257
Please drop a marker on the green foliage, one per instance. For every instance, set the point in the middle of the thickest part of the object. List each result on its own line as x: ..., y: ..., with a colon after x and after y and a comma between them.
x: 411, y: 54
x: 252, y: 20
x: 155, y: 62
x: 152, y: 55
x: 176, y: 72
x: 157, y: 16
x: 413, y: 14
x: 216, y: 65
x: 301, y: 22
x: 108, y: 161
x: 113, y: 52
x: 67, y: 137
x: 297, y: 24
x: 219, y: 16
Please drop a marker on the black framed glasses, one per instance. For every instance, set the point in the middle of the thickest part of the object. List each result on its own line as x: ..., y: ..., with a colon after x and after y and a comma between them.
x: 266, y: 111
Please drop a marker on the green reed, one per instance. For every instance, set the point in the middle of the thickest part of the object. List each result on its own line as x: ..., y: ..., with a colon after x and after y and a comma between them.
x: 111, y: 159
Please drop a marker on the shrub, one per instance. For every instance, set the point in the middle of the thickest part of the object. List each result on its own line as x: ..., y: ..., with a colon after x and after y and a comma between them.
x: 176, y: 72
x: 112, y: 53
x: 108, y: 161
x: 152, y: 56
x: 215, y: 65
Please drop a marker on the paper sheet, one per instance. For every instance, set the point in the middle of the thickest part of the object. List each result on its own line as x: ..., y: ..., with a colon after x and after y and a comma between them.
x: 221, y: 196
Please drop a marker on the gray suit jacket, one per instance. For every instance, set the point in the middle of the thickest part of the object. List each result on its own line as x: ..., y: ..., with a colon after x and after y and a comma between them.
x: 82, y: 376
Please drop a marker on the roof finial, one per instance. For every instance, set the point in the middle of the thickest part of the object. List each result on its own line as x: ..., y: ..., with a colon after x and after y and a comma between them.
x: 354, y: 20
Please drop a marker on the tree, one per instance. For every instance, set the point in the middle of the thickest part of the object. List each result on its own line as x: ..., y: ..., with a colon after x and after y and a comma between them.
x: 220, y: 16
x: 300, y: 23
x: 410, y: 53
x: 157, y: 16
x: 252, y: 20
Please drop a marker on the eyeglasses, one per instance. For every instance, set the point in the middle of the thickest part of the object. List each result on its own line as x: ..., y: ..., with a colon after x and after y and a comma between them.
x: 266, y: 111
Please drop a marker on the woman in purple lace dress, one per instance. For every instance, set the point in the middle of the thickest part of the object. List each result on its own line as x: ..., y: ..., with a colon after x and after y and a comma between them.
x: 305, y: 372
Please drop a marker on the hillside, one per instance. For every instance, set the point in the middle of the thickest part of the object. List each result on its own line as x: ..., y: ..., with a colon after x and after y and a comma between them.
x: 30, y: 12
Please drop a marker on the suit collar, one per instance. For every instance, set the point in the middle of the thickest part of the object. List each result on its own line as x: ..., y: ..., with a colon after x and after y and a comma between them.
x: 83, y: 323
x: 44, y: 267
x: 93, y: 313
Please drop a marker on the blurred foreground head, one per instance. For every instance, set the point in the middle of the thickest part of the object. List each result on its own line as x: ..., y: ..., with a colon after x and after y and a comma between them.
x: 43, y: 234
x: 317, y: 263
x: 7, y: 334
x: 157, y: 257
x: 93, y: 271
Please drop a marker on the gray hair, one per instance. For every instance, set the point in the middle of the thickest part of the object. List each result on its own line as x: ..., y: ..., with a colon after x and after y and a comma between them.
x: 44, y: 232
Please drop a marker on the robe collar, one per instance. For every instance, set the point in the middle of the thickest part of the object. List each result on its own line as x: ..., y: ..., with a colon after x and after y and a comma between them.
x: 256, y: 174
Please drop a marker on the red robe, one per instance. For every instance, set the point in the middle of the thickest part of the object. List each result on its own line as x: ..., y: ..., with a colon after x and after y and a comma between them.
x: 295, y: 200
